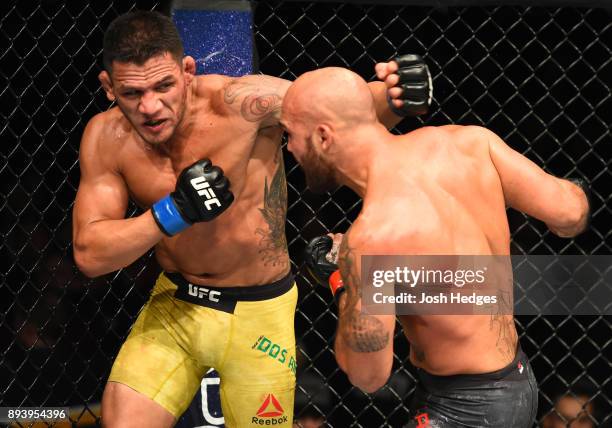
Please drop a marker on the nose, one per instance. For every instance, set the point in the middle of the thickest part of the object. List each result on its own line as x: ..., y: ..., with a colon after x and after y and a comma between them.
x: 149, y: 104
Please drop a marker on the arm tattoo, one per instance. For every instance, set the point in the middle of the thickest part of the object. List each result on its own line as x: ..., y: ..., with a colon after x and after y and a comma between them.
x: 273, y: 242
x: 361, y: 332
x: 255, y: 106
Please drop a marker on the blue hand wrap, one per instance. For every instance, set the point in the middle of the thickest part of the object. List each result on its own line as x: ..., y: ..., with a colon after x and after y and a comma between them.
x: 167, y: 216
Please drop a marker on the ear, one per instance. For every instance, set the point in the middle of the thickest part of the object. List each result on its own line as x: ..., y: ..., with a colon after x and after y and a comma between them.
x: 107, y: 85
x: 189, y: 68
x: 324, y: 136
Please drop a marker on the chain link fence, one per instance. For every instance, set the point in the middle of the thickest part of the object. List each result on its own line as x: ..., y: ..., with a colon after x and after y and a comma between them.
x: 539, y: 77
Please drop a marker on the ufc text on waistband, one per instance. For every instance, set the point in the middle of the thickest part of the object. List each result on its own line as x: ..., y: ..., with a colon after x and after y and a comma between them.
x: 225, y: 298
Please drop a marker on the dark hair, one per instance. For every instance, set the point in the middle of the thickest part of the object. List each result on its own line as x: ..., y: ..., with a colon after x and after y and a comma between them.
x: 138, y: 36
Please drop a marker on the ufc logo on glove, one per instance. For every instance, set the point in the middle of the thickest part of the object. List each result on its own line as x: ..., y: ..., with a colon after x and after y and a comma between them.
x: 201, y: 185
x: 181, y: 208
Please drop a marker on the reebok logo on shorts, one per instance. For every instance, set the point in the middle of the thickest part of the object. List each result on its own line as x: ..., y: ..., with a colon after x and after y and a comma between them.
x: 270, y: 407
x: 270, y: 412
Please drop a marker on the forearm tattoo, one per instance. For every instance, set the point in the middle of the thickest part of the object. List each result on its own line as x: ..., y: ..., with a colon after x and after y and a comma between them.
x: 360, y: 332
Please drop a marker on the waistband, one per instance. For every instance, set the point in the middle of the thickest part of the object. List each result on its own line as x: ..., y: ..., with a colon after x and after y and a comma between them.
x: 226, y: 298
x: 517, y: 370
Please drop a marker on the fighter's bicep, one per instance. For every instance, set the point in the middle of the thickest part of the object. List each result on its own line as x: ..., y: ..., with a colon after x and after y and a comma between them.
x: 101, y: 198
x: 526, y: 186
x: 257, y: 98
x: 102, y: 192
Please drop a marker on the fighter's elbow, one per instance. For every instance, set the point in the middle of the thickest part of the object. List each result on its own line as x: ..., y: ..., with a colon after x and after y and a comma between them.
x: 578, y: 221
x: 85, y: 261
x: 575, y: 217
x: 83, y: 264
x: 369, y: 381
x: 369, y: 377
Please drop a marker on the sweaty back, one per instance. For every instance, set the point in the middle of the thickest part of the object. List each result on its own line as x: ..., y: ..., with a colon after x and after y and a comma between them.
x: 443, y: 180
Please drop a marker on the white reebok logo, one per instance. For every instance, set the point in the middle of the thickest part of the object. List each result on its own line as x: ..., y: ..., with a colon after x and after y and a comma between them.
x: 201, y: 185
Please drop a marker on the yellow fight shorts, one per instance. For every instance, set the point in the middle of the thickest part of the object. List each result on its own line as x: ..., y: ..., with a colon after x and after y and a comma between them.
x: 245, y: 333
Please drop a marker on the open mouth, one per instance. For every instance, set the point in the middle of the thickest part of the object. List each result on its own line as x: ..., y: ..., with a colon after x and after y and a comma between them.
x: 154, y: 124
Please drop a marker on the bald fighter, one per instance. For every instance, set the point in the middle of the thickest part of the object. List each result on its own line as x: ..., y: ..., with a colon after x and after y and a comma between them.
x: 436, y: 190
x: 201, y: 156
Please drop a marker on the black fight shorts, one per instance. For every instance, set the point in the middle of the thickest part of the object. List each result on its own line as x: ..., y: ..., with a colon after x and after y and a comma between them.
x: 507, y: 398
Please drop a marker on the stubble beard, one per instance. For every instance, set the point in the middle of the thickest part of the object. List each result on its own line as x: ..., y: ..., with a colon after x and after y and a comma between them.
x: 320, y: 177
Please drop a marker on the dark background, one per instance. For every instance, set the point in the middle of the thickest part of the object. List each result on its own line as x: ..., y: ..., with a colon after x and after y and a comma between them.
x: 539, y: 77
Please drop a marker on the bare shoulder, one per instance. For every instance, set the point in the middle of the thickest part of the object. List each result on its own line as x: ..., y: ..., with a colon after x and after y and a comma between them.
x: 103, y: 126
x: 388, y: 221
x: 260, y: 83
x: 368, y: 235
x: 103, y: 135
x: 440, y: 134
x: 209, y: 84
x: 470, y: 139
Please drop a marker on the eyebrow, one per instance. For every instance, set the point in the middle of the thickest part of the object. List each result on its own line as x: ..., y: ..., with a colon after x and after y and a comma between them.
x: 164, y: 79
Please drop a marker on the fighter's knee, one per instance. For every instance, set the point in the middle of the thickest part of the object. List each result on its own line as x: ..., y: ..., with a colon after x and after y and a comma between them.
x: 108, y: 417
x: 108, y: 411
x: 123, y: 407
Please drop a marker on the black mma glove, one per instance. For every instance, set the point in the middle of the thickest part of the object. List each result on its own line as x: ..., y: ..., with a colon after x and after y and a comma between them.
x: 324, y: 271
x: 201, y: 194
x: 416, y: 85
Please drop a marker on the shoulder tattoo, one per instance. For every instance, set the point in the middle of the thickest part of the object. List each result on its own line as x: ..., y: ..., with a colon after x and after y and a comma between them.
x: 258, y: 101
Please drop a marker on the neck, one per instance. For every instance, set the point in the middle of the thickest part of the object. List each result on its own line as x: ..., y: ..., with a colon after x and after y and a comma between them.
x: 190, y: 107
x: 359, y: 154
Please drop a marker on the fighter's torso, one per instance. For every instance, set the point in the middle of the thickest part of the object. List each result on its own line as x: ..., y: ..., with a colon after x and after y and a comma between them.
x: 444, y: 197
x: 246, y: 244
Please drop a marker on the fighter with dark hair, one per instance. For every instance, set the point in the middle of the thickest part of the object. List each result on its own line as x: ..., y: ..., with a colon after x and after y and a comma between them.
x: 202, y: 157
x: 433, y: 191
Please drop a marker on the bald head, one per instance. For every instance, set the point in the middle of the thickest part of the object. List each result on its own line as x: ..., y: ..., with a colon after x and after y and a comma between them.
x: 329, y: 117
x: 331, y: 94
